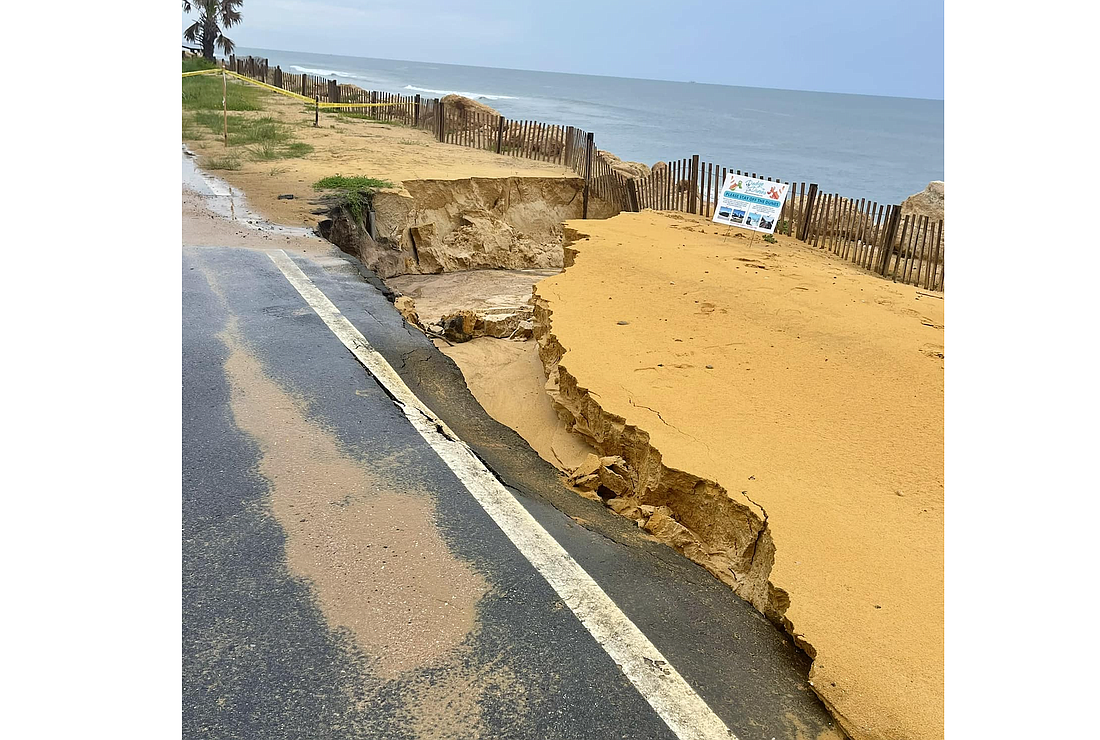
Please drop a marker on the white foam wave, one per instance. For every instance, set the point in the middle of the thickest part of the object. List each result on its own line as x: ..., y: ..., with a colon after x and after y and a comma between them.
x: 473, y: 95
x: 327, y: 72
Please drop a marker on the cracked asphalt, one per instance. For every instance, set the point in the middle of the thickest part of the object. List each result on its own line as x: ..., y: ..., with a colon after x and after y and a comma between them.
x: 262, y: 656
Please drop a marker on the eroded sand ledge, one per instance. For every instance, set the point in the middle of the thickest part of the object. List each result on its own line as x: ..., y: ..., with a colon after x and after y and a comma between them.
x: 780, y: 415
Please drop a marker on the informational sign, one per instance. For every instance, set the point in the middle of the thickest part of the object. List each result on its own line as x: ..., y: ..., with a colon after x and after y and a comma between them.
x: 749, y: 203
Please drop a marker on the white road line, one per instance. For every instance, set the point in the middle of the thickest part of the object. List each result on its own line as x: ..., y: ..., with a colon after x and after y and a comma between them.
x: 683, y: 710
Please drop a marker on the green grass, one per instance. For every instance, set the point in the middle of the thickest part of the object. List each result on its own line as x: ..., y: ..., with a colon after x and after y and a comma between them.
x: 265, y: 152
x: 204, y: 93
x: 339, y: 182
x: 191, y: 130
x: 355, y: 192
x: 265, y: 139
x: 228, y: 162
x: 194, y: 64
x: 244, y: 130
x: 298, y: 149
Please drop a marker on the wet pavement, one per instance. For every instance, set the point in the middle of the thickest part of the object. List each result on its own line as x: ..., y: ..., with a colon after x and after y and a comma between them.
x: 304, y: 484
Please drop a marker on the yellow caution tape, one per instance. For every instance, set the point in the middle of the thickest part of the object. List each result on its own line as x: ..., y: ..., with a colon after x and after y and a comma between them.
x: 281, y: 91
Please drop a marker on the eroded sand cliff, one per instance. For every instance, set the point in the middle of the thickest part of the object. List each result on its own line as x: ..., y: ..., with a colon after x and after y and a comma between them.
x: 779, y: 416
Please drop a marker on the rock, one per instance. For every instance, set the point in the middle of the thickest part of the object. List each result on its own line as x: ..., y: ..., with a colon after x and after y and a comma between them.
x: 587, y: 483
x: 664, y: 527
x: 928, y: 202
x: 624, y: 507
x: 590, y: 465
x: 286, y: 196
x: 630, y: 169
x: 407, y: 309
x: 613, y: 482
x: 462, y: 326
x: 469, y: 106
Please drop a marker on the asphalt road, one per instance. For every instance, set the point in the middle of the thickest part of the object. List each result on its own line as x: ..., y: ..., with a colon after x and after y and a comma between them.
x: 340, y: 581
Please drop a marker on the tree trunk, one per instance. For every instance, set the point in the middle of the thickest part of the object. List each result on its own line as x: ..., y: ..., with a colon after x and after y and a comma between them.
x: 209, y: 35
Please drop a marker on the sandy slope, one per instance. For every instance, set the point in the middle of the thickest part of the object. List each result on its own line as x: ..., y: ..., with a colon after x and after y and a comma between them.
x: 508, y: 381
x: 809, y: 388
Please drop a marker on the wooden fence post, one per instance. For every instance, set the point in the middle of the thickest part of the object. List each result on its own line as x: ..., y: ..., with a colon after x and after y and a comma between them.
x: 441, y: 119
x: 569, y: 146
x: 278, y: 76
x: 333, y: 92
x: 304, y: 78
x: 416, y: 110
x: 808, y: 208
x: 587, y: 173
x: 693, y: 194
x: 500, y: 134
x: 632, y: 194
x: 888, y: 238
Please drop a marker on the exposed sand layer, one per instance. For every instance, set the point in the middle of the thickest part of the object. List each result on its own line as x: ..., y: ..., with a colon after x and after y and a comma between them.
x: 508, y: 380
x: 351, y: 146
x: 466, y: 224
x: 465, y: 305
x: 780, y: 415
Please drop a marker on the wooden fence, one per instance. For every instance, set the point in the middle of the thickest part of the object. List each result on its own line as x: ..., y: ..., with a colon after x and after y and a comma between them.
x: 875, y: 236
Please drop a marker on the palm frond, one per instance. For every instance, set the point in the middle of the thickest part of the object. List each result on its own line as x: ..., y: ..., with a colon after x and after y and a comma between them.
x: 229, y: 16
x: 192, y: 32
x: 226, y: 45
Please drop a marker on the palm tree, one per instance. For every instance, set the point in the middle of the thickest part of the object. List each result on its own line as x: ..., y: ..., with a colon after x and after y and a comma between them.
x: 214, y: 16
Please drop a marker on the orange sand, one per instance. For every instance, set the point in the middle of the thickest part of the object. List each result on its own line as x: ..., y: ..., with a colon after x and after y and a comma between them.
x: 823, y: 403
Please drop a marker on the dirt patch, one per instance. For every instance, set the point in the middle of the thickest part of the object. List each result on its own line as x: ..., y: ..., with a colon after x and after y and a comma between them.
x: 370, y: 549
x: 780, y: 417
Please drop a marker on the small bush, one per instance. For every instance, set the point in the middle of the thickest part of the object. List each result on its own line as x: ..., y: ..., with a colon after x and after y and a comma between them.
x: 770, y: 239
x: 355, y: 192
x: 340, y: 182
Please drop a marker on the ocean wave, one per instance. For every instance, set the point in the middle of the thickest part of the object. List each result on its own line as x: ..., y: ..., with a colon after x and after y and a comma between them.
x: 473, y: 95
x: 327, y: 72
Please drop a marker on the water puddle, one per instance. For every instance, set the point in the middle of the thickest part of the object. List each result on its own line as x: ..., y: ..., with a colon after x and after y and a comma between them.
x: 221, y: 198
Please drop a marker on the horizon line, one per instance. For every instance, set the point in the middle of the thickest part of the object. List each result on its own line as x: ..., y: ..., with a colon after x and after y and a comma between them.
x: 613, y: 77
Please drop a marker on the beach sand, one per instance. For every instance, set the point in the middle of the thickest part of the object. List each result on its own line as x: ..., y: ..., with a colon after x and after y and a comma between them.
x: 813, y: 393
x: 508, y: 380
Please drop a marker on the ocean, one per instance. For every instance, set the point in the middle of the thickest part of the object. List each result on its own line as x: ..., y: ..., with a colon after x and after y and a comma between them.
x: 861, y: 146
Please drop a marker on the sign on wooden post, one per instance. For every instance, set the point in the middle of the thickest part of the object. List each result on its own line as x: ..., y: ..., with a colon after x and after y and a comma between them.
x: 745, y: 202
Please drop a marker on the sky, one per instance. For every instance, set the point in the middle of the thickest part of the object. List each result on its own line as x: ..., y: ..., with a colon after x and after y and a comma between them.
x: 872, y: 47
